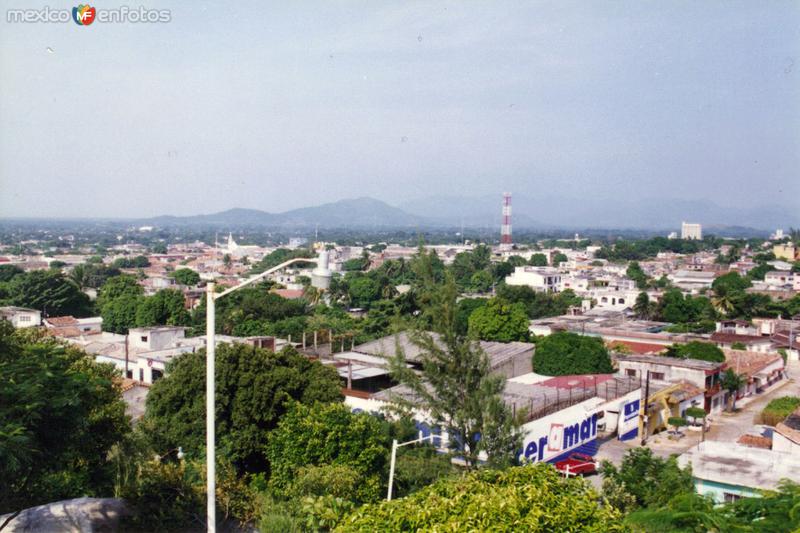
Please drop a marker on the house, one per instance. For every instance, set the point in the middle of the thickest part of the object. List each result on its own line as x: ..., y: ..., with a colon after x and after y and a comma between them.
x: 703, y: 374
x: 759, y: 369
x: 69, y: 326
x: 785, y: 251
x: 21, y: 317
x: 786, y: 437
x: 753, y: 343
x: 509, y: 359
x: 728, y: 471
x: 546, y: 279
x: 692, y: 280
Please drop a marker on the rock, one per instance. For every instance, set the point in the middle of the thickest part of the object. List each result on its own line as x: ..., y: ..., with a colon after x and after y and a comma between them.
x: 83, y: 515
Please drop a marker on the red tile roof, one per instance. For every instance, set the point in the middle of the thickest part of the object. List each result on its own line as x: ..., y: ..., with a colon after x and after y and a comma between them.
x: 639, y: 347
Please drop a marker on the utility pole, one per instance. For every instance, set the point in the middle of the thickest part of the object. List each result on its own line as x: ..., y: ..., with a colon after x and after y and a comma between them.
x: 645, y: 410
x: 126, y: 355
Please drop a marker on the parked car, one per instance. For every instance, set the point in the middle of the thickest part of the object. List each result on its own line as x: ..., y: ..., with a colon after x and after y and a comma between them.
x: 577, y: 464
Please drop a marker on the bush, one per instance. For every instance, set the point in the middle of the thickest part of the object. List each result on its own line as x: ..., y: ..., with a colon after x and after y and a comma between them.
x: 524, y: 498
x: 703, y: 351
x: 778, y: 409
x: 566, y: 353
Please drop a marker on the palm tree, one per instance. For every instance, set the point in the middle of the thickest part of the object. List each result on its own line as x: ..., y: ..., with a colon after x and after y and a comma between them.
x: 732, y: 382
x: 722, y: 304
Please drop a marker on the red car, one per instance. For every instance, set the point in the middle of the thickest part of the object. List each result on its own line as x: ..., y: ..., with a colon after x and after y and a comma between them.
x: 577, y: 464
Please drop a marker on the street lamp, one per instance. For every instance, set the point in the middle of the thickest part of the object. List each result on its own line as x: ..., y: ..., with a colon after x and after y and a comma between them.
x: 320, y: 278
x: 395, y: 445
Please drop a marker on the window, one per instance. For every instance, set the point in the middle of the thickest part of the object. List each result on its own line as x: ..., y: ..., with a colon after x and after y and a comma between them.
x: 24, y: 318
x: 621, y: 301
x: 630, y: 372
x: 141, y: 374
x: 730, y: 497
x: 658, y: 376
x: 157, y: 374
x: 144, y: 338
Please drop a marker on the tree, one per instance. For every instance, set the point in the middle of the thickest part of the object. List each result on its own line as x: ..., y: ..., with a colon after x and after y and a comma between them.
x: 49, y: 291
x: 166, y: 307
x: 649, y: 479
x: 481, y: 281
x: 566, y: 353
x: 117, y: 287
x: 538, y: 260
x: 642, y: 307
x: 464, y: 309
x: 696, y: 412
x: 8, y: 272
x: 704, y: 351
x: 186, y: 276
x: 732, y: 382
x: 676, y: 422
x: 524, y: 498
x: 254, y: 387
x: 456, y: 385
x: 328, y: 435
x: 636, y: 273
x: 60, y: 413
x: 363, y: 291
x: 559, y: 258
x: 499, y: 321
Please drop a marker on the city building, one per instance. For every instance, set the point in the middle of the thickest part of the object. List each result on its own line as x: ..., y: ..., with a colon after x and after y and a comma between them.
x: 691, y: 231
x: 728, y: 471
x: 546, y: 279
x: 21, y: 317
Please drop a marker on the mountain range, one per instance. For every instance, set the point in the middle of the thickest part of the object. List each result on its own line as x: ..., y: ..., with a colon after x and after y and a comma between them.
x: 529, y: 212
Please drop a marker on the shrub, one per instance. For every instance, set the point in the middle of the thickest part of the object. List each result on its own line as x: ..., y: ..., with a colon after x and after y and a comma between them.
x: 778, y: 409
x: 524, y: 498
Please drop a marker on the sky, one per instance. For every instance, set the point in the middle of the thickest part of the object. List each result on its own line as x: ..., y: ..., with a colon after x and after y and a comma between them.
x: 278, y: 105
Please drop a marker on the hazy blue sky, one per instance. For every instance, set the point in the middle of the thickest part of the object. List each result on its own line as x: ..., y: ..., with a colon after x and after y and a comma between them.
x: 276, y: 106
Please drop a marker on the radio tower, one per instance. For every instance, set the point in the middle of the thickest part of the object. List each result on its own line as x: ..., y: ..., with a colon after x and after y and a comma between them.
x: 505, y: 229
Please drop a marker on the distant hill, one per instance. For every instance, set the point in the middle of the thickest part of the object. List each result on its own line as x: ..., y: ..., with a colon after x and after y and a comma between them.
x: 592, y: 211
x: 350, y: 213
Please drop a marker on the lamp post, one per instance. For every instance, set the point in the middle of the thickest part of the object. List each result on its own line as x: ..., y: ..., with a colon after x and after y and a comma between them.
x: 395, y: 445
x: 320, y: 278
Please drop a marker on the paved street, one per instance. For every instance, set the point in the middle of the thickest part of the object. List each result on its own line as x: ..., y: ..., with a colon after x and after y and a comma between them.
x: 724, y: 427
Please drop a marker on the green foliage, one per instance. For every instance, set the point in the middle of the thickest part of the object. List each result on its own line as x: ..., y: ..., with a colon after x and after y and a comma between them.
x: 649, y: 479
x: 165, y: 497
x: 778, y: 409
x: 676, y: 307
x: 525, y: 498
x: 759, y: 272
x: 704, y: 351
x: 166, y: 307
x: 481, y: 281
x: 559, y: 258
x: 500, y: 321
x: 732, y: 382
x: 8, y: 272
x: 419, y: 466
x: 623, y: 250
x: 636, y: 273
x: 538, y: 260
x: 48, y: 291
x: 186, y: 276
x: 363, y: 291
x: 317, y: 435
x: 539, y: 304
x: 254, y: 388
x: 643, y: 308
x: 730, y: 283
x: 695, y: 413
x: 60, y: 413
x: 92, y: 275
x: 139, y: 261
x: 566, y: 353
x: 456, y: 385
x: 687, y: 512
x: 467, y: 264
x: 464, y: 309
x: 776, y: 511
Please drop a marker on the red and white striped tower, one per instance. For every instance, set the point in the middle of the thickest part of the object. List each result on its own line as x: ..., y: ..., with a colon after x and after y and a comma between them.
x: 505, y: 229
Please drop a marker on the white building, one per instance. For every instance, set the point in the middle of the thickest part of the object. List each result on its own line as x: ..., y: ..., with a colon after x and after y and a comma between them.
x: 728, y: 471
x: 21, y: 317
x: 546, y: 279
x: 691, y: 231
